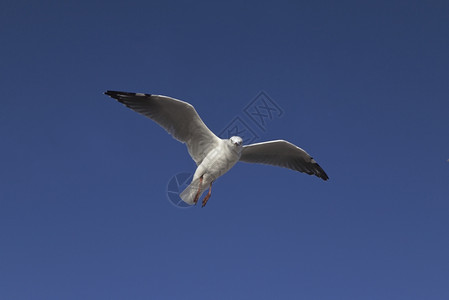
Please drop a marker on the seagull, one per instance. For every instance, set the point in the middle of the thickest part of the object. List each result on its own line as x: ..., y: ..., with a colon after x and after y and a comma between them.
x: 213, y: 156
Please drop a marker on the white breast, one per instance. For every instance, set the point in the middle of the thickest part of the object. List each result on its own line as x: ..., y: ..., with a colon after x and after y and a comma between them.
x: 220, y: 159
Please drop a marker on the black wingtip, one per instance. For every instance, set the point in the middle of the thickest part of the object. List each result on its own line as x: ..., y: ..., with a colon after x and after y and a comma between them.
x: 319, y: 172
x: 118, y: 94
x: 113, y: 94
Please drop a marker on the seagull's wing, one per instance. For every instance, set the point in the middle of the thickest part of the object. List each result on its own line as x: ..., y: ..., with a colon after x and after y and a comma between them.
x: 177, y: 117
x: 283, y: 154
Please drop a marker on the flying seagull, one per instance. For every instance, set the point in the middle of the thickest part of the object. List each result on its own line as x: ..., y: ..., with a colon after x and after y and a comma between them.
x: 212, y: 155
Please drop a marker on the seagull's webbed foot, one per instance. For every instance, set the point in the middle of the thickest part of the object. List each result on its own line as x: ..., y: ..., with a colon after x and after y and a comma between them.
x: 207, y: 196
x: 195, y: 200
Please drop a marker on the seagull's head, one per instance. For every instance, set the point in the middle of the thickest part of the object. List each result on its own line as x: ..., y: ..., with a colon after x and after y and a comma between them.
x: 236, y: 141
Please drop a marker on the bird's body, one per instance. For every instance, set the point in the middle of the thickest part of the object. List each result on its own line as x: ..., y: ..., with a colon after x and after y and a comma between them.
x: 213, y: 156
x: 216, y: 163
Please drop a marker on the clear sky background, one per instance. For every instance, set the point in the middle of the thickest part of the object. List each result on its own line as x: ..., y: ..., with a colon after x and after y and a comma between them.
x: 364, y: 87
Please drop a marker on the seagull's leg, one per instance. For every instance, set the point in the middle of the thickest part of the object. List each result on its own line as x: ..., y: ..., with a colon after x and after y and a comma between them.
x: 198, y: 193
x: 207, y: 196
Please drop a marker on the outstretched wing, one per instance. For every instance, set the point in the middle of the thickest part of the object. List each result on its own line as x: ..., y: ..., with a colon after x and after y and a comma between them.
x: 177, y: 117
x: 282, y: 154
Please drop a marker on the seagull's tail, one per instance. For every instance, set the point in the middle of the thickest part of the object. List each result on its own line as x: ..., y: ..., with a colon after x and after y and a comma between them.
x: 188, y: 195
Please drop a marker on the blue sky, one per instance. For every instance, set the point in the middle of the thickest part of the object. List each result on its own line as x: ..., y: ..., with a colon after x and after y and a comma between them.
x: 83, y: 194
